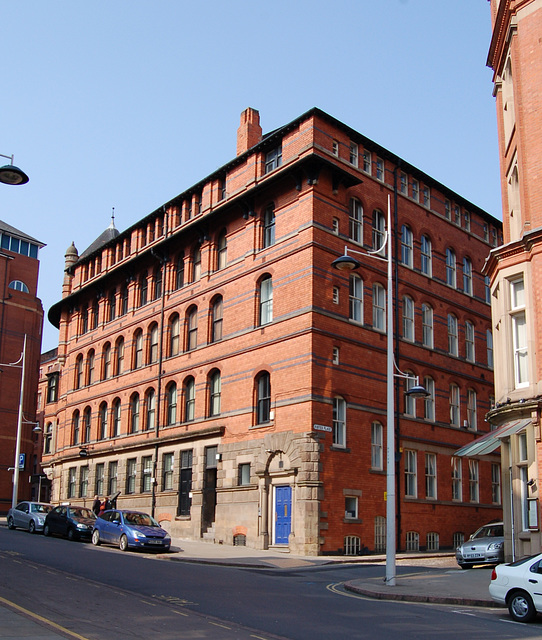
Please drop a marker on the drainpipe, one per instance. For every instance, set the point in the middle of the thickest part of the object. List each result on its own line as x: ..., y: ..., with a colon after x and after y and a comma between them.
x: 397, y: 354
x: 163, y: 260
x: 512, y: 522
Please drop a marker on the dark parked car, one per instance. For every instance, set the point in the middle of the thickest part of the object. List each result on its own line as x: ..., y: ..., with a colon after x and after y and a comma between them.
x: 485, y: 546
x: 70, y: 521
x: 29, y: 515
x: 127, y: 528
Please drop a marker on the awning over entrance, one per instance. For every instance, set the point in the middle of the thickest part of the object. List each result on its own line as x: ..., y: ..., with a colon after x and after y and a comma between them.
x: 492, y: 440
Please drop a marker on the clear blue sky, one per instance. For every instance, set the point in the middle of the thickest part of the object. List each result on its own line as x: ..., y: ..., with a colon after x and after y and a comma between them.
x: 126, y: 103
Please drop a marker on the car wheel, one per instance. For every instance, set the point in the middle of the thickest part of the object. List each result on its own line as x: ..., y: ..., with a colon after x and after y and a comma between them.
x: 71, y: 534
x: 32, y: 526
x: 520, y: 606
x: 46, y: 530
x: 11, y: 524
x: 96, y: 537
x: 123, y: 543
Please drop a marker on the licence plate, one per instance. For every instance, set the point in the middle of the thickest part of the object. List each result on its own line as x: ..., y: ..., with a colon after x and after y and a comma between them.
x: 474, y: 555
x: 154, y: 541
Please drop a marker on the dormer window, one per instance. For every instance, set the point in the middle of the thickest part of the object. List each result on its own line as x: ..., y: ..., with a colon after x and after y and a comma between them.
x: 273, y: 159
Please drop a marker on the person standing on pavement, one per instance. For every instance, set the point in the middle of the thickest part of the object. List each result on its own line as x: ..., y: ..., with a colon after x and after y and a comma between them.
x: 96, y: 505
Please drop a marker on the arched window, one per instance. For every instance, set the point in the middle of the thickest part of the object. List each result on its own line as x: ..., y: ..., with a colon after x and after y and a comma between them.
x: 138, y: 349
x: 427, y: 325
x: 472, y: 414
x: 192, y: 333
x: 266, y: 300
x: 116, y: 417
x: 263, y: 398
x: 106, y: 359
x: 356, y: 298
x: 222, y: 251
x: 119, y: 348
x: 379, y: 307
x: 153, y: 343
x: 379, y: 231
x: 216, y: 319
x: 214, y: 393
x: 18, y: 285
x: 454, y: 405
x: 196, y: 263
x: 269, y: 226
x: 91, y: 358
x: 467, y: 276
x: 174, y: 334
x: 76, y: 427
x: 339, y: 422
x: 451, y: 269
x: 87, y: 423
x: 78, y: 382
x: 355, y: 213
x: 452, y: 335
x: 406, y: 246
x: 134, y: 413
x: 189, y: 399
x: 408, y: 318
x: 171, y: 404
x: 150, y: 404
x: 84, y: 320
x: 426, y: 260
x: 102, y: 421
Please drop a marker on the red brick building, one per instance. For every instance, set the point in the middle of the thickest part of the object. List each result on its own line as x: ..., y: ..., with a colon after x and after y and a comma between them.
x: 21, y: 314
x: 217, y: 371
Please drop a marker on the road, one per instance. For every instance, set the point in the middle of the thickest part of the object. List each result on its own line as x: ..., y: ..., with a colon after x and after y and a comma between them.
x: 103, y: 593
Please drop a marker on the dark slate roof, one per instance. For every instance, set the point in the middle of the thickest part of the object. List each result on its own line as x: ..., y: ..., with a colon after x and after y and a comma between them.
x: 109, y: 234
x: 4, y: 226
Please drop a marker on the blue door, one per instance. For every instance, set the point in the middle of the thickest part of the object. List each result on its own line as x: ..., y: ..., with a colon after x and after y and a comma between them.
x: 283, y: 514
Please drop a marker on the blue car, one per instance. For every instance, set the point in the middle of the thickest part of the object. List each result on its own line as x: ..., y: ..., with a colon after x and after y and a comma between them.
x: 130, y: 529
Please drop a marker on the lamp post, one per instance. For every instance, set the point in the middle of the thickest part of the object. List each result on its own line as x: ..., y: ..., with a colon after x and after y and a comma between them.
x: 10, y: 174
x: 19, y: 364
x: 349, y: 263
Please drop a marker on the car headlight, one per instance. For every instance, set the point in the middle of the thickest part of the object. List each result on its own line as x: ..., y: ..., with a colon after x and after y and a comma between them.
x: 82, y: 526
x: 494, y: 546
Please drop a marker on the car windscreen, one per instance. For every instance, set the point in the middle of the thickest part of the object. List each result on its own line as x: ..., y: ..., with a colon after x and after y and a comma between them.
x: 491, y: 531
x: 82, y: 513
x: 41, y: 508
x: 140, y: 520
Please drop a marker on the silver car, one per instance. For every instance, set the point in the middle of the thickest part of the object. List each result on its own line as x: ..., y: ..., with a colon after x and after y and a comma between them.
x: 29, y: 515
x: 485, y: 546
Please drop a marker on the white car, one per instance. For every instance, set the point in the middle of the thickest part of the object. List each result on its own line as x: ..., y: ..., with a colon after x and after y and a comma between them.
x: 518, y: 586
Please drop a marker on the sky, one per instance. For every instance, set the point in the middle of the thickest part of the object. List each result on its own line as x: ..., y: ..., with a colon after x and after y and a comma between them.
x: 126, y: 103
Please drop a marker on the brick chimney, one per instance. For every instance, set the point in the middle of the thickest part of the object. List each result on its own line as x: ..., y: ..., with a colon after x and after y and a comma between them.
x: 249, y: 132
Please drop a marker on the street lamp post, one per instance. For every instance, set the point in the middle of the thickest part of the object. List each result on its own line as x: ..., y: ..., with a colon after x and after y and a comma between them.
x: 349, y: 263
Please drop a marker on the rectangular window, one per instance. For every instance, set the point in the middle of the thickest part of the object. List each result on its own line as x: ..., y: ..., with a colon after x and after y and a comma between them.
x: 131, y: 470
x: 379, y: 307
x: 356, y: 298
x: 185, y: 484
x: 167, y: 471
x: 415, y: 190
x: 447, y: 209
x: 99, y: 484
x: 469, y: 341
x: 354, y: 154
x: 72, y: 482
x: 454, y: 405
x: 83, y: 482
x: 351, y: 507
x: 339, y: 422
x: 430, y: 475
x: 519, y: 332
x: 146, y: 483
x: 472, y: 418
x: 403, y: 183
x: 410, y: 474
x: 429, y: 401
x: 376, y: 446
x: 113, y: 473
x: 336, y: 354
x: 426, y: 197
x: 380, y: 169
x: 457, y: 488
x: 273, y: 159
x: 367, y: 161
x: 243, y: 476
x: 474, y: 487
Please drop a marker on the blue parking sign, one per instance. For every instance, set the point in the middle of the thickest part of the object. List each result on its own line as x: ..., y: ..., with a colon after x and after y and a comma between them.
x: 22, y: 458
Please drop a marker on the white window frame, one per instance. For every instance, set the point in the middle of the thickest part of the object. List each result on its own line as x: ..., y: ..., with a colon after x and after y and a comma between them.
x: 430, y: 476
x: 407, y: 246
x: 355, y: 215
x: 408, y: 318
x: 472, y: 413
x: 377, y: 446
x: 379, y: 307
x: 457, y: 480
x: 519, y: 333
x: 453, y: 348
x: 427, y: 325
x: 356, y: 298
x: 339, y: 422
x: 451, y: 268
x: 470, y: 352
x: 426, y: 265
x: 429, y: 401
x: 474, y: 481
x: 411, y: 473
x: 455, y: 405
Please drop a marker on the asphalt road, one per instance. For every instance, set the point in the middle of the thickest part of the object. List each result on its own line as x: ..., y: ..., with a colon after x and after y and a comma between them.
x: 104, y: 593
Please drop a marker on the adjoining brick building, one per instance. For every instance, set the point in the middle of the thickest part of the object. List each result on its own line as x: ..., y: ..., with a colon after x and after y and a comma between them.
x: 21, y: 314
x: 515, y: 269
x: 216, y: 370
